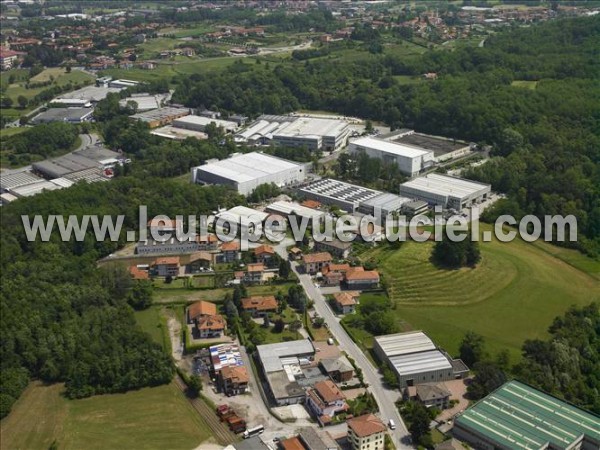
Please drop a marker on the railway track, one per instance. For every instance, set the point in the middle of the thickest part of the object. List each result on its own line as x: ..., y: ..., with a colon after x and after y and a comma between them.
x: 221, y: 432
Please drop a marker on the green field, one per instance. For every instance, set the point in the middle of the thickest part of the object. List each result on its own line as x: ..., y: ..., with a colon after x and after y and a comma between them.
x: 152, y: 321
x: 150, y: 418
x: 512, y: 295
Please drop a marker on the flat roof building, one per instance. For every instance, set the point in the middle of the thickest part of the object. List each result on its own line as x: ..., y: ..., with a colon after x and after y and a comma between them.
x: 69, y: 115
x: 290, y: 208
x: 351, y: 197
x: 161, y: 116
x: 199, y: 123
x: 410, y: 160
x: 88, y: 158
x: 415, y: 359
x: 518, y: 416
x: 313, y: 133
x: 446, y: 191
x: 245, y: 172
x: 285, y: 366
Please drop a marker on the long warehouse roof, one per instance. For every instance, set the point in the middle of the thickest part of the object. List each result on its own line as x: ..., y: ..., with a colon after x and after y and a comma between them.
x: 427, y: 361
x: 445, y: 185
x: 394, y: 148
x: 521, y: 417
x: 405, y: 343
x: 247, y: 167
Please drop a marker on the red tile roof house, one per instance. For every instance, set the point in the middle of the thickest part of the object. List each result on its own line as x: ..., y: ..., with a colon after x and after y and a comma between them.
x: 333, y: 274
x: 166, y: 266
x: 233, y: 380
x: 325, y: 400
x: 230, y: 252
x: 366, y: 432
x: 315, y: 262
x: 345, y: 302
x: 138, y: 274
x: 263, y: 253
x: 260, y: 306
x: 207, y: 323
x: 254, y: 273
x: 361, y: 279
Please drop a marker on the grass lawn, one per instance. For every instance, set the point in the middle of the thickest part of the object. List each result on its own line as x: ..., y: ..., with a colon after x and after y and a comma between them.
x: 153, y: 322
x: 514, y: 294
x: 177, y: 293
x: 524, y: 84
x: 150, y: 418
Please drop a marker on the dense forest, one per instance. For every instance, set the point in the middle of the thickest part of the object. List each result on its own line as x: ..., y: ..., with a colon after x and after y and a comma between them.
x: 62, y: 319
x: 546, y: 140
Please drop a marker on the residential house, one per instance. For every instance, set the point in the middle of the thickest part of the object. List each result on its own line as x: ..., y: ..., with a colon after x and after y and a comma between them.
x: 315, y: 262
x: 338, y: 369
x: 264, y: 253
x: 345, y: 302
x: 200, y: 309
x: 208, y: 327
x: 358, y: 278
x: 207, y: 323
x: 451, y: 444
x: 366, y: 432
x: 260, y: 306
x: 233, y: 380
x: 208, y: 242
x: 429, y: 394
x: 255, y: 273
x: 325, y: 400
x: 167, y: 266
x: 339, y: 249
x: 8, y: 58
x: 199, y: 261
x: 138, y: 274
x: 333, y: 274
x: 230, y: 251
x: 295, y: 253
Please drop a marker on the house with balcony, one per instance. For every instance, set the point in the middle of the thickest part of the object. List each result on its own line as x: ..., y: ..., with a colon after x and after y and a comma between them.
x: 315, y: 262
x: 345, y: 302
x: 233, y: 380
x: 167, y: 266
x: 258, y: 306
x: 325, y: 400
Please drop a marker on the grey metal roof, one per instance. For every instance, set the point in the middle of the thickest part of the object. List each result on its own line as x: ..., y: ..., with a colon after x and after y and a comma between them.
x: 447, y: 186
x: 404, y: 343
x: 427, y: 361
x: 62, y: 114
x: 16, y: 179
x: 271, y: 354
x: 387, y: 201
x: 336, y: 364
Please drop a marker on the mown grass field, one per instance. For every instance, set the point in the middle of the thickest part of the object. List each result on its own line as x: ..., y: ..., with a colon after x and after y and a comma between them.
x: 524, y: 84
x: 150, y: 418
x: 514, y: 294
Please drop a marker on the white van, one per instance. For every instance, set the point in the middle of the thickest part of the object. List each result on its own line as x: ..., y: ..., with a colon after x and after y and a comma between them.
x: 392, y: 424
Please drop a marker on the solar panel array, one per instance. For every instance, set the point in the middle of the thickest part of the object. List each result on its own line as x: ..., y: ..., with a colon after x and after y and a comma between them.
x: 341, y: 190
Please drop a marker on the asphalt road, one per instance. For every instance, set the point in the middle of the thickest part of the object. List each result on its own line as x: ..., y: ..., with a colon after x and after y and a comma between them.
x: 385, y: 397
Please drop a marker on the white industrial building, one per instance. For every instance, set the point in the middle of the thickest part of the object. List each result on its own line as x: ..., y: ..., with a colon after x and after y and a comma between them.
x: 245, y: 172
x: 245, y: 219
x: 287, y: 209
x: 415, y: 359
x: 199, y: 123
x: 448, y: 192
x: 409, y: 159
x: 301, y: 132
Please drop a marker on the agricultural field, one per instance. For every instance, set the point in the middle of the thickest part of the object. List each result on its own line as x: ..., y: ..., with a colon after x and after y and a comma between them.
x: 532, y: 85
x: 150, y: 418
x: 512, y: 295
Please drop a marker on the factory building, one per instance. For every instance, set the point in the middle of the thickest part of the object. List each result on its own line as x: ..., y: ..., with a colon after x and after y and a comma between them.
x: 199, y: 123
x: 415, y: 359
x: 410, y: 160
x: 161, y: 116
x: 245, y: 172
x: 444, y: 149
x: 351, y: 197
x: 69, y: 115
x: 96, y: 158
x: 301, y: 132
x: 286, y: 366
x: 314, y: 134
x: 519, y: 416
x: 448, y: 192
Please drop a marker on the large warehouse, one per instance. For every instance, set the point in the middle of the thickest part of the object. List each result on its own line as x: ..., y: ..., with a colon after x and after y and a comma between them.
x: 448, y: 192
x: 411, y: 160
x: 415, y: 359
x: 245, y: 172
x: 199, y: 123
x: 94, y: 157
x: 289, y: 131
x: 518, y: 416
x: 351, y: 197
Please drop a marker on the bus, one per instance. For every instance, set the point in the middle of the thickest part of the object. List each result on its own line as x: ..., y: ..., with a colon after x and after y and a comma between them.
x: 255, y: 431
